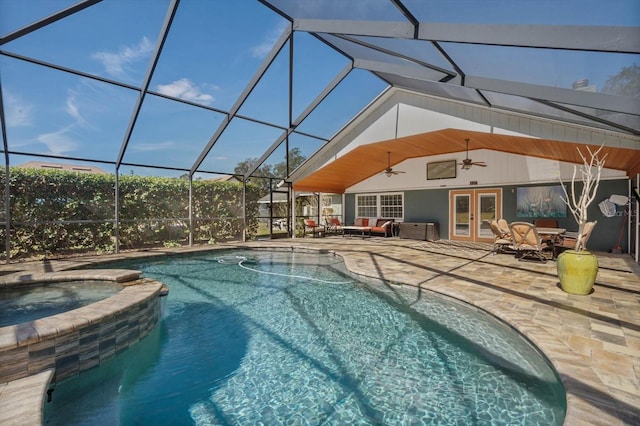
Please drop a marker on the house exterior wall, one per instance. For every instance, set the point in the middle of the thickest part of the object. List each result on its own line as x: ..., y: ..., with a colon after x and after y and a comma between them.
x: 502, y: 169
x: 403, y: 113
x: 432, y: 205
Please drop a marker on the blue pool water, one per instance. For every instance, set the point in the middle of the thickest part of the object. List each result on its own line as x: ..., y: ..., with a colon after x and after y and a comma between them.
x: 292, y: 338
x: 25, y: 303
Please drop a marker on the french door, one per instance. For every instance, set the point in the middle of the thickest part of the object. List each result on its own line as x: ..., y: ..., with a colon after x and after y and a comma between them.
x: 470, y: 211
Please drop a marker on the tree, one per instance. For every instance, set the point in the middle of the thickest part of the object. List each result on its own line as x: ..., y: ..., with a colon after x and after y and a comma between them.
x: 243, y: 168
x: 295, y: 159
x: 625, y: 83
x: 279, y: 170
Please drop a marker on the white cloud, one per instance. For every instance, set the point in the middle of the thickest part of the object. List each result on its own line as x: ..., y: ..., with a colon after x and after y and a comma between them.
x: 147, y: 147
x: 261, y: 50
x: 185, y: 89
x: 116, y: 64
x: 73, y: 111
x: 17, y: 111
x: 58, y: 143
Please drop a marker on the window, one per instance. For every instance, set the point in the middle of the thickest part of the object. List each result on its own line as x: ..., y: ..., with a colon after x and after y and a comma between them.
x: 366, y: 206
x: 389, y: 205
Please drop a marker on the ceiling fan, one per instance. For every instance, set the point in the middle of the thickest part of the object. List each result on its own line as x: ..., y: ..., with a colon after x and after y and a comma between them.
x: 389, y: 171
x: 468, y: 162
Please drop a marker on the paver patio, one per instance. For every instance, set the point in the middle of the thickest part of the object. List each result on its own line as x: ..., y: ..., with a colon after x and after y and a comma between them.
x: 593, y: 341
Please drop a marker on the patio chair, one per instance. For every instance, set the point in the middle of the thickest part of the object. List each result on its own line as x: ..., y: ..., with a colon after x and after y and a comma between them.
x: 316, y: 230
x: 527, y: 242
x: 502, y: 240
x: 569, y: 240
x: 504, y: 227
x: 383, y: 227
x: 333, y: 225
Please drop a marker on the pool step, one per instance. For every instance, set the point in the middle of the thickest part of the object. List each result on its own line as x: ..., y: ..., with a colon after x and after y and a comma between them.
x: 22, y: 400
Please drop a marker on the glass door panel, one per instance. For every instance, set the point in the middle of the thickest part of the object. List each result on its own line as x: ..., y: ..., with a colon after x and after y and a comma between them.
x: 461, y: 215
x: 470, y: 211
x: 462, y: 225
x: 486, y: 212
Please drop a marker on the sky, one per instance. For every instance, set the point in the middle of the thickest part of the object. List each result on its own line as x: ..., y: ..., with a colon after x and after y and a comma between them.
x: 213, y: 50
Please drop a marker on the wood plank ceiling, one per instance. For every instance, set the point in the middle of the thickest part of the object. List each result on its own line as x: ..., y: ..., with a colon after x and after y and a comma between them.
x: 368, y: 160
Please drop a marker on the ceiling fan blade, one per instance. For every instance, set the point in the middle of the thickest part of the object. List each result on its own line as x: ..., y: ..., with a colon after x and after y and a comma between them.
x: 480, y: 163
x: 389, y: 171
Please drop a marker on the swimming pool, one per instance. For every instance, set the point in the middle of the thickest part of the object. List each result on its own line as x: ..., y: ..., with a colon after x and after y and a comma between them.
x: 288, y: 338
x: 19, y: 304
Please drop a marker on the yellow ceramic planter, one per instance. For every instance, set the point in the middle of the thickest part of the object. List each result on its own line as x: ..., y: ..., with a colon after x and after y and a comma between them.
x: 577, y: 271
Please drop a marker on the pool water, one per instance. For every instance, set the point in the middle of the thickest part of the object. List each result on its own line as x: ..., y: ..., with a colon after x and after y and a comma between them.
x: 26, y: 303
x: 292, y: 338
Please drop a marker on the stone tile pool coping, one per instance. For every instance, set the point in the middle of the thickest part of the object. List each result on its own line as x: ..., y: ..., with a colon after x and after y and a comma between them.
x: 59, y: 346
x: 592, y: 341
x: 135, y: 289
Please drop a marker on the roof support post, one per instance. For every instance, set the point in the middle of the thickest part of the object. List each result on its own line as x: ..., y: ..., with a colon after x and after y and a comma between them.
x: 7, y: 186
x: 190, y: 210
x: 7, y: 214
x: 292, y: 228
x: 116, y: 225
x: 244, y: 209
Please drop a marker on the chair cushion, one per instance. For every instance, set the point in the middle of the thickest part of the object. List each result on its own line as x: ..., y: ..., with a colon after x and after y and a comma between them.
x: 382, y: 223
x: 361, y: 221
x: 311, y: 223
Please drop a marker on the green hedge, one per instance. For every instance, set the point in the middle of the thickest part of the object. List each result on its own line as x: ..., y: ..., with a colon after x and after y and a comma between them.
x: 153, y: 210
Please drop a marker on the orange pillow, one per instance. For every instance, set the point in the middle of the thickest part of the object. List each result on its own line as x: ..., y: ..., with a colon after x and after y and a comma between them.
x: 311, y: 223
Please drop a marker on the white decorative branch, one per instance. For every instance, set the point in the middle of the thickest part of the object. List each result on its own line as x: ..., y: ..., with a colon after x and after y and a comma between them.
x: 590, y: 172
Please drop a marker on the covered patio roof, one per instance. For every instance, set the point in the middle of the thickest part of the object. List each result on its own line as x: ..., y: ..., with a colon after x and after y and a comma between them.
x: 368, y: 160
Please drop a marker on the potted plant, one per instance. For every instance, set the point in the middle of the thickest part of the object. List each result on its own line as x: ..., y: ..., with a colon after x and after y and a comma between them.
x: 577, y: 268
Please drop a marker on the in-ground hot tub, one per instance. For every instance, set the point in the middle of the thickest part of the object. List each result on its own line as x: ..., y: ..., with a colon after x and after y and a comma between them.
x: 25, y: 303
x: 76, y: 340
